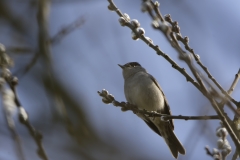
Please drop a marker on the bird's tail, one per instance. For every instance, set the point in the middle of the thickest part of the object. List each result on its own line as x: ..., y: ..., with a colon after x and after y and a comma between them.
x: 172, y: 141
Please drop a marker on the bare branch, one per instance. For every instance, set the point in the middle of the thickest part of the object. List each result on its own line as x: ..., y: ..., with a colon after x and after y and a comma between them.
x: 185, y: 41
x: 19, y: 50
x: 138, y: 33
x: 223, y: 146
x: 67, y: 30
x: 235, y: 81
x: 215, y: 153
x: 125, y: 22
x: 9, y: 108
x: 24, y: 118
x: 109, y: 98
x: 175, y: 36
x: 230, y: 90
x: 53, y: 41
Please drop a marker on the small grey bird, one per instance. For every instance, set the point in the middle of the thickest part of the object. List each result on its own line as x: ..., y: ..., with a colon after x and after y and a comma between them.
x: 143, y: 90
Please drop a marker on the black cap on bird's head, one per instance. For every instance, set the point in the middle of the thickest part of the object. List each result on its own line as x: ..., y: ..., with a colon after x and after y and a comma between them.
x: 130, y: 65
x: 131, y: 68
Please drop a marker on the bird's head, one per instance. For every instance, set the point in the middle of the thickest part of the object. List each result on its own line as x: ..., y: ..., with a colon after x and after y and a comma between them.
x: 131, y: 68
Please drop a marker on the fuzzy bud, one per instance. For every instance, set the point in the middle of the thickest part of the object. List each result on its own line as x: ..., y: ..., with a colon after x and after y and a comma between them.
x: 111, y: 8
x: 23, y: 114
x: 2, y: 48
x: 222, y: 132
x: 105, y: 92
x: 127, y: 17
x: 105, y: 100
x: 197, y: 56
x: 122, y: 21
x: 155, y: 24
x: 186, y: 39
x: 134, y: 36
x: 110, y: 97
x: 135, y: 23
x: 157, y: 4
x: 140, y: 31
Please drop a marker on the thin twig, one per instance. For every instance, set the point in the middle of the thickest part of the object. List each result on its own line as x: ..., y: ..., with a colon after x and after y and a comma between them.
x: 208, y: 151
x: 15, y: 135
x: 108, y: 98
x: 113, y: 7
x: 19, y: 50
x: 236, y: 118
x: 215, y: 154
x: 223, y: 147
x: 225, y: 122
x: 11, y: 127
x: 43, y: 11
x: 230, y: 90
x: 237, y: 77
x: 188, y: 60
x: 206, y: 117
x: 173, y: 40
x: 157, y: 10
x: 139, y: 33
x: 6, y: 62
x: 67, y: 30
x: 53, y: 41
x: 24, y: 118
x: 185, y: 41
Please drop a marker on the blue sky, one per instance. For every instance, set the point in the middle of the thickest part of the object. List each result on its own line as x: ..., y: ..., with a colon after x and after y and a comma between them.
x: 85, y: 61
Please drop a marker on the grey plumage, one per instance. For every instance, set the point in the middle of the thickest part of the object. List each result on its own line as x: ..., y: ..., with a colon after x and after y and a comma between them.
x: 142, y: 90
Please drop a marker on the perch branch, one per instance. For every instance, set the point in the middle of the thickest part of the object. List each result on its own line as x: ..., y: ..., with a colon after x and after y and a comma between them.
x: 109, y: 98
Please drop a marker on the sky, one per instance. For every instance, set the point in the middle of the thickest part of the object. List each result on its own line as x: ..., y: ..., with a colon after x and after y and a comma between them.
x: 85, y: 61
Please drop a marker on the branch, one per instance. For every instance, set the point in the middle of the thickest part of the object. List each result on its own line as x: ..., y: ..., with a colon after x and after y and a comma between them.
x: 23, y: 116
x: 175, y: 35
x: 19, y: 49
x: 230, y: 90
x: 67, y: 30
x: 236, y: 120
x: 235, y: 81
x: 215, y: 153
x: 185, y: 41
x: 191, y: 117
x: 9, y: 107
x: 138, y: 33
x: 223, y: 146
x: 109, y: 98
x: 6, y: 62
x: 53, y: 41
x: 170, y: 34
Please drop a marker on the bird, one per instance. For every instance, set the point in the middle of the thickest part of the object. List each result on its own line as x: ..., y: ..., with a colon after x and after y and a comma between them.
x: 142, y: 89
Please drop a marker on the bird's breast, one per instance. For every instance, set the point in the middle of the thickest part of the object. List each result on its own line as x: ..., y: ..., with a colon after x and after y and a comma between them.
x: 140, y: 90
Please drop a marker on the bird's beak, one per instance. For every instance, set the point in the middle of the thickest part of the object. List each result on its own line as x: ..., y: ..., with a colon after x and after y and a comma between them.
x: 121, y: 66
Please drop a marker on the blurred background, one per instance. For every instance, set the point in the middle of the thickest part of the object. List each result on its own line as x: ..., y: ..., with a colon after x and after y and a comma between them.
x: 58, y: 85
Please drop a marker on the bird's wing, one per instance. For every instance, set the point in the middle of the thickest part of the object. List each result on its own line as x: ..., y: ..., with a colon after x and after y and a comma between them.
x: 166, y: 108
x: 152, y: 125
